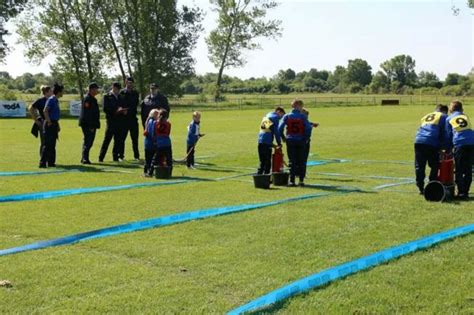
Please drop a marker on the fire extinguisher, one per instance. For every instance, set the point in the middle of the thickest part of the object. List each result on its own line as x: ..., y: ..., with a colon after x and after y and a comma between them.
x: 277, y: 161
x: 446, y: 169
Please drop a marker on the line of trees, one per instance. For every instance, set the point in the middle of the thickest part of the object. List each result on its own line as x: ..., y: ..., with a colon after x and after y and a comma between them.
x: 397, y: 75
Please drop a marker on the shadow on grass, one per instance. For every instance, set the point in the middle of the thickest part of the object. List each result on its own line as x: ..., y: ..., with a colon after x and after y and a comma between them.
x: 210, y: 169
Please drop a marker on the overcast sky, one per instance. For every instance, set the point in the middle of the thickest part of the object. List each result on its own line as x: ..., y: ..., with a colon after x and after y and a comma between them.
x: 324, y: 34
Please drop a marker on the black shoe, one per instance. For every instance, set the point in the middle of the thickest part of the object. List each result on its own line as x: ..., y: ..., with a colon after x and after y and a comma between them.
x: 301, y: 184
x: 292, y: 184
x: 86, y: 162
x: 43, y: 166
x: 52, y: 165
x: 101, y: 160
x: 462, y: 197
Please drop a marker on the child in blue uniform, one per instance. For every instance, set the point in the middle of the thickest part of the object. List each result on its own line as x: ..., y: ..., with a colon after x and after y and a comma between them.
x: 193, y: 136
x: 150, y: 145
x: 298, y: 130
x: 430, y: 138
x: 461, y: 137
x: 164, y: 154
x: 268, y: 131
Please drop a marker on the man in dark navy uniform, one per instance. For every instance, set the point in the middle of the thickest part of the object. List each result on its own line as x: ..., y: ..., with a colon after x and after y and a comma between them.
x: 155, y: 100
x: 130, y: 100
x: 115, y: 117
x: 36, y: 111
x: 89, y: 121
x: 51, y: 128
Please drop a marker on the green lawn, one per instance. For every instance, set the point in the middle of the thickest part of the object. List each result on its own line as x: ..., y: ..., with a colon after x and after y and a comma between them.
x: 217, y: 264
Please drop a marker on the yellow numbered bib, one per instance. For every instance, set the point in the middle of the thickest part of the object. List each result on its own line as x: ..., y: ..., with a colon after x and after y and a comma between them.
x: 265, y: 125
x: 431, y: 119
x: 460, y: 123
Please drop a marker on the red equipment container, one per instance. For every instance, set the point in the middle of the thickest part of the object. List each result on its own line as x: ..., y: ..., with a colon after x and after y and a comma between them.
x: 277, y: 161
x: 446, y: 169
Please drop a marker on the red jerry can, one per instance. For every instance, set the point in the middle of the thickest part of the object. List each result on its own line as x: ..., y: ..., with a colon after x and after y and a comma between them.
x: 446, y: 170
x: 277, y: 161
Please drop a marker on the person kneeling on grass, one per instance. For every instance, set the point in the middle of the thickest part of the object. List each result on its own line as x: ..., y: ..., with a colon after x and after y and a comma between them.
x: 150, y: 145
x: 305, y: 112
x: 164, y: 153
x: 298, y: 130
x: 268, y: 131
x: 461, y: 137
x: 192, y: 139
x: 430, y: 138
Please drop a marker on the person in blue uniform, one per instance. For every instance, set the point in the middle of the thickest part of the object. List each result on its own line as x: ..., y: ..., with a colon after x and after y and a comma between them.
x: 115, y: 119
x: 461, y: 139
x: 154, y: 100
x: 130, y: 100
x: 36, y: 110
x: 51, y: 127
x: 268, y: 132
x: 164, y: 153
x: 194, y: 133
x: 430, y: 138
x: 298, y: 130
x: 89, y: 121
x: 150, y: 141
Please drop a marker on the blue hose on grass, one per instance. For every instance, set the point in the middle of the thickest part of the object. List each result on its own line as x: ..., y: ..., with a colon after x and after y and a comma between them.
x: 79, y: 191
x: 341, y: 271
x: 23, y: 173
x: 154, y: 223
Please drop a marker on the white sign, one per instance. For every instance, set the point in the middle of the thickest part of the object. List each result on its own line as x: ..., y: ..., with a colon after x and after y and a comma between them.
x: 75, y: 108
x: 12, y: 109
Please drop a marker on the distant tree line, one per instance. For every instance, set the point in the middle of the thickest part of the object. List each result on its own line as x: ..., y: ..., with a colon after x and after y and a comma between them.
x: 397, y: 75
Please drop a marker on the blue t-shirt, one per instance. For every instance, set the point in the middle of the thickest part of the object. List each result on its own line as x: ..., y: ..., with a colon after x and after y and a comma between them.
x: 459, y: 129
x: 52, y: 106
x: 432, y: 130
x: 269, y: 129
x: 298, y: 128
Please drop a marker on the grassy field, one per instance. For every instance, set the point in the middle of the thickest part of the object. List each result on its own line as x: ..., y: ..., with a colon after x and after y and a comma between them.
x: 216, y: 264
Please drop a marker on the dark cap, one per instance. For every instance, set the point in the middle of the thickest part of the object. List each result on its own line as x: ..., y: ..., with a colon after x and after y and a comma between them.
x: 130, y: 79
x: 117, y: 85
x: 93, y: 85
x: 153, y: 86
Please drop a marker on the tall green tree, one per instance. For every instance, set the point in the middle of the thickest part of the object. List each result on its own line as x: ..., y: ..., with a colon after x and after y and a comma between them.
x: 239, y: 24
x: 429, y: 79
x: 400, y: 69
x: 8, y: 10
x: 359, y: 72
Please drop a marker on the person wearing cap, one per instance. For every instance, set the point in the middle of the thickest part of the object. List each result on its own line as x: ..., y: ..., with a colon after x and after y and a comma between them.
x: 461, y: 137
x: 115, y: 118
x: 298, y: 131
x: 155, y: 100
x: 89, y: 121
x: 130, y: 100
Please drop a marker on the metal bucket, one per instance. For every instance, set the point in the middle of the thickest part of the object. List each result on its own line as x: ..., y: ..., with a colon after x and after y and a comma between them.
x: 436, y: 191
x: 163, y: 172
x: 261, y: 181
x: 280, y: 179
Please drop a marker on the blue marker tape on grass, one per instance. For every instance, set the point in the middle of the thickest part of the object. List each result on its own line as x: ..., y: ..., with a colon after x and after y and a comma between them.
x: 23, y: 173
x: 154, y: 223
x: 329, y: 275
x: 79, y: 191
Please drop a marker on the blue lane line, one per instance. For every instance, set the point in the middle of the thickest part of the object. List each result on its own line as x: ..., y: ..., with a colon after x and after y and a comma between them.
x: 341, y: 271
x: 23, y: 173
x: 154, y: 223
x: 78, y: 191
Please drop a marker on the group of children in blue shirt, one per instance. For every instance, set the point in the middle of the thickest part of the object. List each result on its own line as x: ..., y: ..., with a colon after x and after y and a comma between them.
x: 295, y: 129
x: 451, y: 134
x: 158, y: 150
